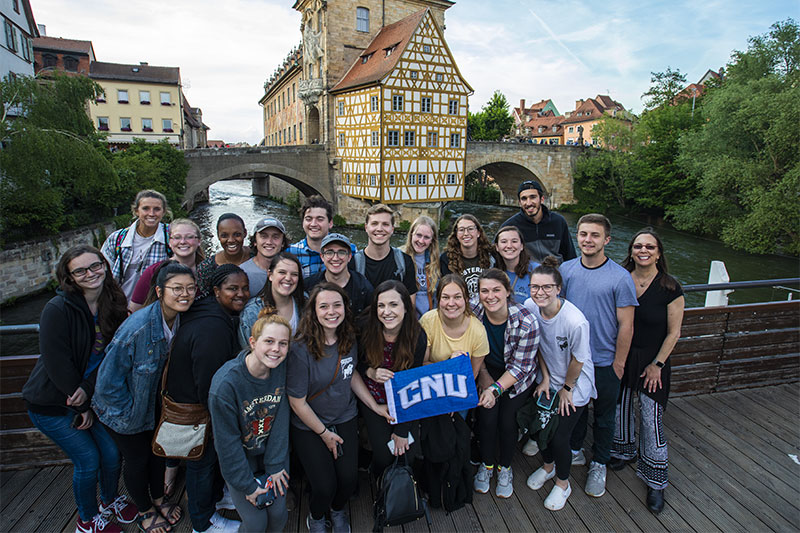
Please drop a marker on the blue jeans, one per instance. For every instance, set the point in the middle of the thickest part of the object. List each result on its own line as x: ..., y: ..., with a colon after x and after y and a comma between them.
x: 93, y: 454
x: 203, y: 487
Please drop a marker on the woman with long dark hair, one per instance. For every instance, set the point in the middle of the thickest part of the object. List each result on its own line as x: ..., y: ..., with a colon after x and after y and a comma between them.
x: 513, y: 258
x: 231, y: 232
x: 391, y: 340
x: 656, y: 330
x: 75, y: 327
x: 321, y: 383
x: 422, y: 245
x: 467, y: 253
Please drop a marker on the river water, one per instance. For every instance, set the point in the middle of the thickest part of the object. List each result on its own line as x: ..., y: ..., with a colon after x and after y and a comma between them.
x: 689, y: 255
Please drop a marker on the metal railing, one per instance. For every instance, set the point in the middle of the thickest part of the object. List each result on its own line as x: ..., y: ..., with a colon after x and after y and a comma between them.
x: 755, y: 284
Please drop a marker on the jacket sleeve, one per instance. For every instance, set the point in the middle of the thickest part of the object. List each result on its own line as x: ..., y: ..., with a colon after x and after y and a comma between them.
x: 276, y: 454
x: 56, y: 353
x: 228, y: 443
x: 108, y: 248
x: 209, y: 351
x: 113, y: 376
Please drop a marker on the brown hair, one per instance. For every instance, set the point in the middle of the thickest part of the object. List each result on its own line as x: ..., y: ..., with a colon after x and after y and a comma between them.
x: 266, y: 318
x: 379, y: 208
x: 667, y: 281
x: 432, y: 269
x: 549, y: 267
x: 455, y: 260
x: 458, y: 280
x: 596, y: 218
x: 150, y: 193
x: 266, y: 291
x: 315, y: 200
x: 524, y: 258
x: 406, y: 343
x: 310, y: 330
x: 497, y: 275
x: 199, y: 255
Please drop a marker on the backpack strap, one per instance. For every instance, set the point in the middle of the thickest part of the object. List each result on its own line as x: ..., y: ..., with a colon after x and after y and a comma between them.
x: 400, y: 262
x: 361, y: 263
x: 166, y: 239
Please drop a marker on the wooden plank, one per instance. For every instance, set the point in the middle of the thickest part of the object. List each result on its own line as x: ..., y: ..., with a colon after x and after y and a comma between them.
x: 487, y: 510
x: 55, y: 503
x: 15, y: 421
x: 774, y: 410
x: 45, y: 455
x: 465, y: 519
x: 640, y: 514
x: 761, y: 338
x: 765, y: 350
x: 512, y: 509
x: 603, y: 514
x: 361, y: 506
x: 293, y: 505
x: 712, y: 343
x: 15, y: 482
x: 776, y: 424
x: 20, y: 503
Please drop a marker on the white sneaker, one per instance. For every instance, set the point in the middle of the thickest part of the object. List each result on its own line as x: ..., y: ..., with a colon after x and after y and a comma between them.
x: 557, y: 498
x: 596, y: 481
x: 226, y: 502
x: 505, y: 487
x: 531, y: 448
x: 578, y: 457
x: 537, y: 479
x: 483, y: 478
x: 220, y: 524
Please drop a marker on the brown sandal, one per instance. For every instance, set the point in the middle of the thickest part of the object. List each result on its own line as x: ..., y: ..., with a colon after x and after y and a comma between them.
x: 162, y: 524
x: 167, y: 509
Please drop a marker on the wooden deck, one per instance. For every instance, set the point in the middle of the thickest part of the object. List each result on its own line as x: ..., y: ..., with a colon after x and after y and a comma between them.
x: 731, y: 469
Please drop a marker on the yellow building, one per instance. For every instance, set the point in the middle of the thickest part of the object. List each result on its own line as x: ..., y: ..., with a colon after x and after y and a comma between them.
x: 283, y: 112
x: 139, y: 101
x: 587, y: 113
x: 401, y: 117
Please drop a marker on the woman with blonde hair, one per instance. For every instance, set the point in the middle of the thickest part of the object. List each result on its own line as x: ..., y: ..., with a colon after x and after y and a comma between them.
x: 467, y: 253
x: 422, y: 245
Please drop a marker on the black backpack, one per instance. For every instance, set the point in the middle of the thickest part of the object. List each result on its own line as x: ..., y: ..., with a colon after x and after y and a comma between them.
x: 399, y: 501
x: 448, y: 474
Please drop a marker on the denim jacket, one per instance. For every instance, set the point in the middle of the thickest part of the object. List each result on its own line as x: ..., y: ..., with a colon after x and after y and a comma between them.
x: 130, y: 375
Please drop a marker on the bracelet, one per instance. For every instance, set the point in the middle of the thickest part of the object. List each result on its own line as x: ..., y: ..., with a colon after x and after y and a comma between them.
x: 321, y: 432
x: 497, y: 389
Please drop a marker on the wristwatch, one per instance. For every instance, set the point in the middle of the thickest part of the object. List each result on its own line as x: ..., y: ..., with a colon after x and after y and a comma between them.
x: 658, y: 363
x: 567, y: 388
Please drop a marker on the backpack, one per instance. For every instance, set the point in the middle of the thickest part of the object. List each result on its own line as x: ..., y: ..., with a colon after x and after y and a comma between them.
x: 446, y: 447
x: 399, y: 261
x: 398, y: 501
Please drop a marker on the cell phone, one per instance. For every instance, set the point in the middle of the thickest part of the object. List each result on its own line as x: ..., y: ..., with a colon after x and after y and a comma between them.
x: 268, y: 498
x: 77, y: 420
x: 546, y: 404
x: 339, y: 449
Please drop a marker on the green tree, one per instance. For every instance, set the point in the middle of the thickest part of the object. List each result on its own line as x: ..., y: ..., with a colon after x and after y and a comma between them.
x: 602, y: 179
x: 665, y: 87
x: 745, y: 156
x: 493, y: 122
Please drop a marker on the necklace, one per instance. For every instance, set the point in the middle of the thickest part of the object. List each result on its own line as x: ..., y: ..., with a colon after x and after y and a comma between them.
x: 645, y: 282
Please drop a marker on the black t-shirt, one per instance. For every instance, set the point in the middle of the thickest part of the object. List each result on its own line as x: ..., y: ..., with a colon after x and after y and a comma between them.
x: 497, y: 344
x: 379, y: 271
x: 470, y: 274
x: 358, y: 289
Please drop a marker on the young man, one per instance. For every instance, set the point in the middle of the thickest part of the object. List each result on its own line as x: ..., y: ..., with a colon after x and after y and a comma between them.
x: 546, y: 233
x: 605, y: 293
x: 380, y: 261
x: 317, y: 215
x: 336, y: 254
x: 268, y: 240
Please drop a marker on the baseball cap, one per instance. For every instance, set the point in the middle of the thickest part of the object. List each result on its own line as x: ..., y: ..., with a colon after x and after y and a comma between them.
x: 530, y: 184
x: 270, y: 222
x: 335, y: 237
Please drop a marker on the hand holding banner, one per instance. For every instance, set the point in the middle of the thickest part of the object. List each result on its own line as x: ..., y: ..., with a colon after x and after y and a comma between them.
x: 432, y: 390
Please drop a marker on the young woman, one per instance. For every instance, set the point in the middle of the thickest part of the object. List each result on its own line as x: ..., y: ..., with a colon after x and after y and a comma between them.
x: 452, y: 328
x: 231, y: 232
x: 206, y: 340
x: 656, y: 329
x: 283, y: 294
x: 422, y: 245
x: 505, y: 379
x: 127, y: 385
x: 513, y: 258
x: 184, y: 239
x: 250, y: 419
x: 75, y: 327
x: 467, y: 252
x: 268, y: 240
x: 320, y: 383
x: 565, y: 360
x: 400, y: 345
x: 130, y: 250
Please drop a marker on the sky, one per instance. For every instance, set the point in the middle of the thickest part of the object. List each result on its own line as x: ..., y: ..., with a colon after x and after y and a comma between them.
x: 563, y: 50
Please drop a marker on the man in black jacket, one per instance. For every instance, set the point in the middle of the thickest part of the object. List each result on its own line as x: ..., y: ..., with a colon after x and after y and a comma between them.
x: 545, y: 232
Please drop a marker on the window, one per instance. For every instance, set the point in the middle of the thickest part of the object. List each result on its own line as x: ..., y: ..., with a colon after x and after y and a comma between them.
x: 362, y: 19
x: 553, y: 141
x: 294, y: 132
x: 301, y: 131
x: 373, y: 103
x: 554, y: 128
x: 144, y: 97
x: 423, y: 179
x: 413, y: 74
x: 455, y: 140
x: 412, y: 179
x: 391, y: 179
x: 125, y: 124
x: 372, y: 180
x: 341, y: 139
x: 408, y: 138
x: 439, y: 77
x: 27, y: 47
x: 122, y: 96
x: 347, y: 179
x: 147, y: 124
x: 294, y: 94
x: 376, y: 138
x: 340, y: 107
x: 425, y: 104
x: 16, y: 5
x: 165, y: 98
x: 393, y: 138
x: 426, y: 48
x: 102, y: 123
x: 11, y: 36
x: 451, y: 179
x: 50, y: 61
x: 433, y: 138
x: 358, y: 179
x: 70, y: 64
x: 389, y: 50
x: 397, y: 102
x: 365, y: 58
x: 452, y: 107
x: 166, y: 125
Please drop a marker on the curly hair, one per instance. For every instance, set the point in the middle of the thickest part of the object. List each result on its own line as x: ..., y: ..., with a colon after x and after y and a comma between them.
x: 432, y: 270
x: 455, y: 259
x: 310, y: 331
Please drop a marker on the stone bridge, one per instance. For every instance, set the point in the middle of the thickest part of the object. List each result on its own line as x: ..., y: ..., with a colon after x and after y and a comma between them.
x: 308, y: 168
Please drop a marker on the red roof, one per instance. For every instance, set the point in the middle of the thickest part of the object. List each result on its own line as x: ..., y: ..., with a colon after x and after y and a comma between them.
x: 546, y: 122
x: 378, y: 64
x: 64, y: 45
x: 593, y: 109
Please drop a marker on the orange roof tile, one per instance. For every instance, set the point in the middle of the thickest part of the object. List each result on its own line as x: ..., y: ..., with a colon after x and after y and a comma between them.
x: 64, y: 45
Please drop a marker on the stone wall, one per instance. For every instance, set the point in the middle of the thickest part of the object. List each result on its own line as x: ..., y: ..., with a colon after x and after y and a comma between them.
x: 29, y: 266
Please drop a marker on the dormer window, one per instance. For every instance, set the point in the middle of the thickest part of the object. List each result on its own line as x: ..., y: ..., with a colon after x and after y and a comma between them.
x: 365, y: 58
x: 70, y: 64
x: 389, y: 49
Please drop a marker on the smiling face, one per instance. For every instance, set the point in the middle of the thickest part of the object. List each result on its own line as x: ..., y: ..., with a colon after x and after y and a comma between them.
x: 391, y: 310
x: 467, y: 233
x: 379, y: 228
x: 91, y: 271
x: 283, y: 278
x: 150, y: 211
x: 234, y: 292
x: 231, y: 236
x: 544, y: 290
x: 184, y: 240
x: 493, y: 295
x: 421, y: 238
x: 330, y: 310
x: 530, y: 201
x: 316, y: 223
x: 178, y: 293
x: 271, y: 347
x: 509, y: 246
x: 269, y: 242
x: 335, y: 256
x: 592, y: 238
x: 644, y: 250
x: 452, y: 303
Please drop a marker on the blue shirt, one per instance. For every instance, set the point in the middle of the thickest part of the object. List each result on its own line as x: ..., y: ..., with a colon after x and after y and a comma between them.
x: 598, y: 292
x: 310, y: 260
x: 520, y: 286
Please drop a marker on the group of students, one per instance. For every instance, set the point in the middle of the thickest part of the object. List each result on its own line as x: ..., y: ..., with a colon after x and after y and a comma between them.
x: 345, y: 321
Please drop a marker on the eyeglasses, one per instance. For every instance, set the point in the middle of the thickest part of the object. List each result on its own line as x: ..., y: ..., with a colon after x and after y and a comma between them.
x: 184, y: 237
x: 341, y: 254
x: 97, y: 266
x: 648, y: 247
x: 467, y: 229
x: 546, y: 288
x: 178, y: 290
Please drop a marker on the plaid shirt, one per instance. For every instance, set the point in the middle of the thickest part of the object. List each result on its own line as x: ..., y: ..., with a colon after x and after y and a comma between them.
x: 310, y: 260
x: 522, y: 344
x: 156, y: 253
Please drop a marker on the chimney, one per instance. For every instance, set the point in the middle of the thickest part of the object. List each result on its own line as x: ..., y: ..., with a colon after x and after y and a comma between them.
x: 42, y: 30
x: 522, y: 106
x: 578, y: 103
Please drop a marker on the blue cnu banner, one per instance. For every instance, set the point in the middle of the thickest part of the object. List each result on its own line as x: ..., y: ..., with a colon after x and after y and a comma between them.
x: 431, y: 390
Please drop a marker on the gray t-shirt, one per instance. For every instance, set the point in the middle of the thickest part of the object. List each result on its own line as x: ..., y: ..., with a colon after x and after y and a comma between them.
x: 256, y: 276
x: 141, y: 246
x: 561, y: 337
x: 306, y: 376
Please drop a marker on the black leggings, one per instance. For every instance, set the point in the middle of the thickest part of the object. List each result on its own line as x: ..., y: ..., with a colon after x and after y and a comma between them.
x: 380, y: 432
x: 332, y: 481
x: 142, y: 471
x: 558, y: 448
x: 500, y: 424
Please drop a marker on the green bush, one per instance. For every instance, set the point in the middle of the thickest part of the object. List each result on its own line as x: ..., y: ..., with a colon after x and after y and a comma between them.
x: 403, y: 226
x: 339, y: 221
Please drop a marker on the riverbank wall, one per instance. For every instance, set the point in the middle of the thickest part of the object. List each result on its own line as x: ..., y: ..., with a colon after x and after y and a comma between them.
x: 29, y: 266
